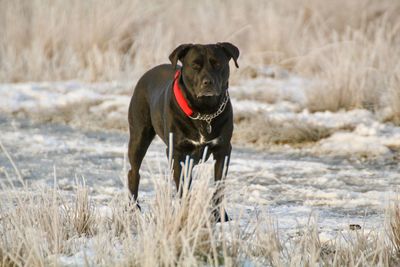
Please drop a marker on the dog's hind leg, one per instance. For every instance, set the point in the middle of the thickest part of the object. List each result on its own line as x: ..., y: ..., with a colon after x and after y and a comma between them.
x: 139, y: 141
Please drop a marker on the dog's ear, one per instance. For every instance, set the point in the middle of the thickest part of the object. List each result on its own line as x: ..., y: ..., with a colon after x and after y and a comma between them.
x: 179, y: 53
x: 231, y: 51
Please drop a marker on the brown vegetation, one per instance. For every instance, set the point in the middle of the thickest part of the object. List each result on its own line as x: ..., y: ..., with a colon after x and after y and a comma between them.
x: 44, y: 226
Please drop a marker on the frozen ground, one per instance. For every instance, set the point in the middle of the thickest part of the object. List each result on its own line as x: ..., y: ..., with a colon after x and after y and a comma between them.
x: 290, y: 185
x: 346, y: 177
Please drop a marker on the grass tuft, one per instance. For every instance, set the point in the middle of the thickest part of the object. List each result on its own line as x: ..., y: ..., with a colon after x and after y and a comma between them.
x: 394, y: 227
x: 262, y: 131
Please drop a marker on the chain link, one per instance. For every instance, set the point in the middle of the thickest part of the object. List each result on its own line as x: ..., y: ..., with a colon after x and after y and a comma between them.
x: 209, y: 117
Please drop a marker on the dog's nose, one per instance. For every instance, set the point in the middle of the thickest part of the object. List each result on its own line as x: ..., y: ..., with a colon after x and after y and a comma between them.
x: 207, y: 82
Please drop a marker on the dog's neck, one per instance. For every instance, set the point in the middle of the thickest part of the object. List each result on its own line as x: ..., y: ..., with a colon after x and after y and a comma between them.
x: 191, y: 104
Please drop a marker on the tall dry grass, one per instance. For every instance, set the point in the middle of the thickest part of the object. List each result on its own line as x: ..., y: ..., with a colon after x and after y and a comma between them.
x: 51, y: 40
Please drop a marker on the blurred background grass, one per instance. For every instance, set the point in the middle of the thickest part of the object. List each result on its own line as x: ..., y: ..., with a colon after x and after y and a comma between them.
x: 351, y: 47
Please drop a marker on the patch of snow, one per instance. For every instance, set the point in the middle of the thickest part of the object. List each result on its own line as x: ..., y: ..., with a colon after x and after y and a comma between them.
x: 370, y: 140
x: 348, y: 144
x: 274, y: 84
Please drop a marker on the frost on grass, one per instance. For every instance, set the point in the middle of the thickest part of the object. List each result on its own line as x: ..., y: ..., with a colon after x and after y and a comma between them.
x: 47, y: 226
x: 261, y: 131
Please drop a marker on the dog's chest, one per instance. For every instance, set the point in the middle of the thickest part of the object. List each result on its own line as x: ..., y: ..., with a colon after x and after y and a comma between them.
x: 202, y: 141
x: 193, y: 145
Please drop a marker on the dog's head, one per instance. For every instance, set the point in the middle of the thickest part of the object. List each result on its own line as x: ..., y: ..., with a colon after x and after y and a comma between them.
x: 205, y: 68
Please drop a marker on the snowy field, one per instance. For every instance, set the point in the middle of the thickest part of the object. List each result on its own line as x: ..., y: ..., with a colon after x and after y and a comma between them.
x: 343, y: 171
x: 288, y: 184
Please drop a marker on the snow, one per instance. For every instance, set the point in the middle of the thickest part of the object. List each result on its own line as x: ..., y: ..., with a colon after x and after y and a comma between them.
x: 375, y: 139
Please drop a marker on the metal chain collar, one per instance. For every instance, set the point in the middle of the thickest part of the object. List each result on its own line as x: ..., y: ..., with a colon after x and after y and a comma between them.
x: 209, y: 117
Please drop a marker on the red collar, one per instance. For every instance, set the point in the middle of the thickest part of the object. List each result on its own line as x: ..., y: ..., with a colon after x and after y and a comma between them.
x: 182, y: 102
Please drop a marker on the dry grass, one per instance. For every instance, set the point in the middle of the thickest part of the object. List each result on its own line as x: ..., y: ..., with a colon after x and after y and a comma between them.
x: 52, y: 40
x: 261, y: 131
x: 355, y: 69
x: 40, y: 222
x: 42, y: 226
x: 394, y: 226
x: 394, y: 98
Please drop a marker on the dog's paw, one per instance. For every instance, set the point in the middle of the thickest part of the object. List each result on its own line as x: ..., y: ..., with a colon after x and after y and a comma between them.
x: 138, y: 207
x: 133, y: 206
x: 217, y: 217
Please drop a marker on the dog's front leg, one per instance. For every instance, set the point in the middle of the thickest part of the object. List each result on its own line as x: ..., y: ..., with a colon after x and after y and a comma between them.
x: 221, y: 157
x: 179, y: 160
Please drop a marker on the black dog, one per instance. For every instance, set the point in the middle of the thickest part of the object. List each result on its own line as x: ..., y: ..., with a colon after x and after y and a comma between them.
x: 192, y: 103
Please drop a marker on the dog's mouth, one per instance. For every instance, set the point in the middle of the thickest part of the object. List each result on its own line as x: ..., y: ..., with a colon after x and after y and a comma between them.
x: 208, y: 94
x: 208, y: 99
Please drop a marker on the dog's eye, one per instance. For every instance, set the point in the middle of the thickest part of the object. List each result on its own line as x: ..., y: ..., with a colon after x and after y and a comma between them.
x: 196, y: 66
x: 215, y: 64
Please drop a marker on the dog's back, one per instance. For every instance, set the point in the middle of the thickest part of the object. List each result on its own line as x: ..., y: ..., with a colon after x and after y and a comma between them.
x: 149, y: 92
x: 151, y: 84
